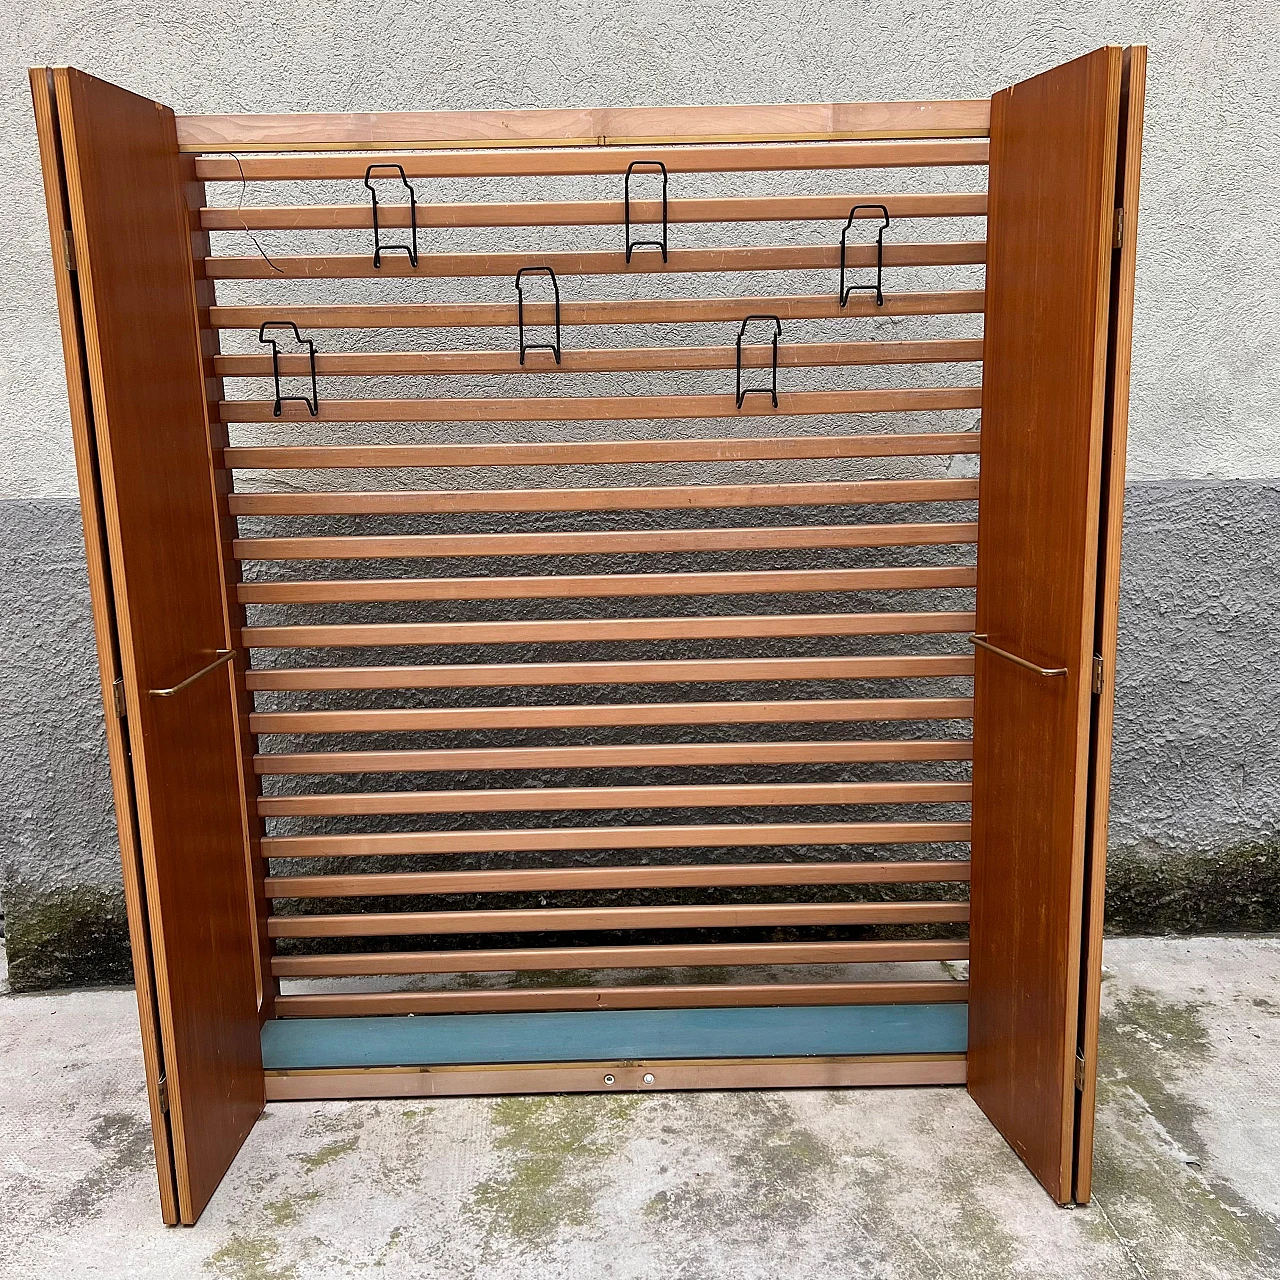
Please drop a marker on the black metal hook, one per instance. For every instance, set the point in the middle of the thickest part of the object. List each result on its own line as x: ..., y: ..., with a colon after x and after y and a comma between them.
x: 537, y: 346
x: 412, y: 248
x: 626, y: 208
x: 844, y: 237
x: 772, y: 389
x: 313, y: 404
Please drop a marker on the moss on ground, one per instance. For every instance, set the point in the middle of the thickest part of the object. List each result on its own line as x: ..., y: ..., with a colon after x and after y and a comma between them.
x: 1233, y: 889
x: 77, y: 937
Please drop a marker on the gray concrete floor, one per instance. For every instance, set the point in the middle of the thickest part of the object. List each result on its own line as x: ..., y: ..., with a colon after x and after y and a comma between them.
x: 821, y: 1185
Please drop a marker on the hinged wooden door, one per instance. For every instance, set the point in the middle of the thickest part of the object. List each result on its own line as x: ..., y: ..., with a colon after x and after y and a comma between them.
x: 127, y: 299
x: 1052, y: 479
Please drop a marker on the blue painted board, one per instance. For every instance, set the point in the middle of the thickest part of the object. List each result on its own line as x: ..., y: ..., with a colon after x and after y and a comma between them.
x: 611, y: 1035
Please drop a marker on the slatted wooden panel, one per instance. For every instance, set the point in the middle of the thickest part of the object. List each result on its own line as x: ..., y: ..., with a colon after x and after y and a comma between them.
x: 375, y: 607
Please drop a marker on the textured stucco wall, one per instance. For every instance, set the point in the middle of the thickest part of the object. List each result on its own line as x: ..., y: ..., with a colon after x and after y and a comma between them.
x: 1196, y: 799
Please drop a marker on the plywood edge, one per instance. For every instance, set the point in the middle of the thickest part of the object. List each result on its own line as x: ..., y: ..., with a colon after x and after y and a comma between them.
x: 659, y: 1075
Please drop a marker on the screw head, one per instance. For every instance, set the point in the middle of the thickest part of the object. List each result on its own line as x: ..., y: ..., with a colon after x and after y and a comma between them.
x: 648, y: 1078
x: 608, y: 1079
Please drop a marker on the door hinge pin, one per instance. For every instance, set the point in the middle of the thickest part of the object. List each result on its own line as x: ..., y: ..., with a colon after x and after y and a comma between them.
x: 1117, y: 238
x: 117, y: 697
x: 1080, y: 1069
x: 68, y: 249
x: 162, y: 1094
x: 1097, y: 673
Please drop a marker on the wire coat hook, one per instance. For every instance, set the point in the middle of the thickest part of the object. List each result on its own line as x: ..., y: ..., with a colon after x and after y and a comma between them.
x: 626, y: 208
x: 553, y: 347
x: 312, y: 403
x: 844, y: 239
x: 412, y: 247
x: 772, y: 389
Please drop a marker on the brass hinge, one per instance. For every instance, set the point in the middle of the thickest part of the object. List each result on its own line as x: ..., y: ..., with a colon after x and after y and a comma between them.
x: 1117, y: 237
x: 162, y: 1093
x: 68, y: 249
x: 117, y: 697
x: 1079, y: 1071
x: 1097, y: 673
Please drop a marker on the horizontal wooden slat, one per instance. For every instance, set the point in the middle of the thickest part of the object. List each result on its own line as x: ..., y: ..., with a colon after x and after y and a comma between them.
x: 601, y: 262
x: 830, y: 711
x: 573, y: 586
x: 806, y: 537
x: 594, y: 213
x: 381, y: 884
x: 594, y: 630
x: 561, y: 839
x: 553, y: 799
x: 471, y: 315
x: 598, y: 452
x: 737, y: 158
x: 585, y: 126
x: 674, y: 996
x: 534, y: 920
x: 611, y: 408
x: 799, y: 355
x: 540, y: 959
x: 631, y: 1076
x: 609, y: 757
x: 675, y: 497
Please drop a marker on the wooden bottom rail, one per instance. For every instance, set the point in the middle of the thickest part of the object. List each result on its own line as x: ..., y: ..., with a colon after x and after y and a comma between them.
x: 541, y: 959
x: 378, y: 884
x: 355, y: 1005
x: 571, y: 919
x: 524, y: 840
x: 606, y: 757
x: 896, y: 1071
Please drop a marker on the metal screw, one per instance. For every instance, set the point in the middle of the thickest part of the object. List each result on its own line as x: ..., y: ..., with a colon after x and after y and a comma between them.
x: 648, y: 1078
x: 608, y: 1079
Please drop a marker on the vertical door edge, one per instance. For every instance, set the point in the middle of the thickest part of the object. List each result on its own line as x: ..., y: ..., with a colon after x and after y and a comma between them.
x: 102, y: 597
x: 1119, y: 350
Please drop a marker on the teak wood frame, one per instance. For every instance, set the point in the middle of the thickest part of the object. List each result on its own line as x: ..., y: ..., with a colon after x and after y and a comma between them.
x: 135, y: 276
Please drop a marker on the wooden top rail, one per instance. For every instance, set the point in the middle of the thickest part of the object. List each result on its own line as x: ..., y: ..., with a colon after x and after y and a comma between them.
x: 375, y: 884
x: 471, y: 315
x: 644, y: 755
x: 594, y: 213
x: 586, y: 162
x: 561, y: 839
x: 535, y: 959
x: 586, y: 126
x: 804, y: 537
x: 611, y: 408
x: 572, y: 919
x: 604, y: 262
x: 803, y: 355
x: 593, y: 453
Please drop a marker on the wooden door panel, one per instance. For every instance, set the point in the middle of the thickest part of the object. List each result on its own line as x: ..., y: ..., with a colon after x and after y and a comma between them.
x: 1053, y: 160
x: 136, y: 294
